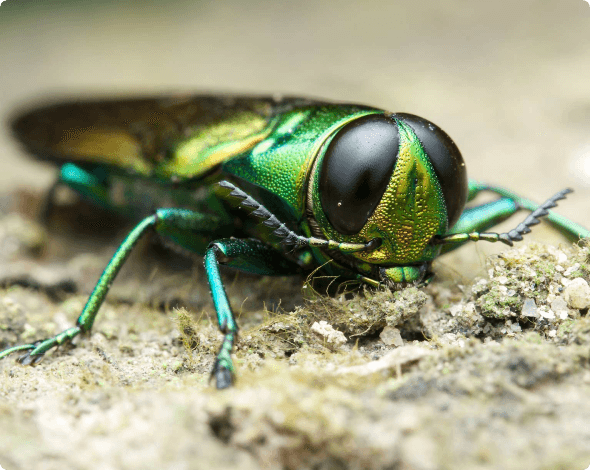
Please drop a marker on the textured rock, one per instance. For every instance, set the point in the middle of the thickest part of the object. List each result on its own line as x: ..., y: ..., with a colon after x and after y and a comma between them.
x: 391, y: 337
x: 324, y: 329
x: 577, y: 294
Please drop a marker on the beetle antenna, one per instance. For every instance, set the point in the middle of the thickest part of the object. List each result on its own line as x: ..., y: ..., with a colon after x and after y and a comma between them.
x: 287, y: 236
x: 513, y: 235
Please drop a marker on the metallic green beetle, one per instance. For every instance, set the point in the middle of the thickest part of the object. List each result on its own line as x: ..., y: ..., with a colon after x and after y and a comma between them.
x: 363, y: 193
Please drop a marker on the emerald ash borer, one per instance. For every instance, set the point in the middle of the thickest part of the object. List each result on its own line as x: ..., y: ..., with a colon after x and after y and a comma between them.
x: 273, y: 186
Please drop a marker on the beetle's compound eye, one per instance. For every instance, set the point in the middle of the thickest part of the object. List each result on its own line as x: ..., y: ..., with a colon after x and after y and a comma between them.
x: 356, y: 170
x: 445, y: 158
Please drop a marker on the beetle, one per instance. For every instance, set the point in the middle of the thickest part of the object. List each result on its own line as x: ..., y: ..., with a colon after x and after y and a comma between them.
x: 273, y: 186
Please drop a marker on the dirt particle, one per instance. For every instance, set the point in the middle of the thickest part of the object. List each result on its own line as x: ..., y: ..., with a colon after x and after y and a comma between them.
x: 577, y: 294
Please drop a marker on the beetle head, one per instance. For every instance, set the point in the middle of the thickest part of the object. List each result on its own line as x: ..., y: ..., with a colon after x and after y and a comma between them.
x: 395, y: 177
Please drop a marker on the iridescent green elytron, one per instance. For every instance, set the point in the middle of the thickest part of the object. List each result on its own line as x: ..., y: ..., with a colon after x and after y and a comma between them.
x: 362, y: 193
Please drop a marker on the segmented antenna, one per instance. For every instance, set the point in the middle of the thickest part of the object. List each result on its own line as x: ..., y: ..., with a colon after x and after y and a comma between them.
x: 513, y: 235
x: 287, y: 236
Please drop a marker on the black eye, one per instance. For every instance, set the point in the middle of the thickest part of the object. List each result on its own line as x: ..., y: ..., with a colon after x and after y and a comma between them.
x: 446, y: 159
x: 356, y: 170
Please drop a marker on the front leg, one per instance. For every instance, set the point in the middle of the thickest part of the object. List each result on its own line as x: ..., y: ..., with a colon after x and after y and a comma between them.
x: 455, y: 239
x: 492, y: 213
x: 183, y: 226
x: 246, y: 255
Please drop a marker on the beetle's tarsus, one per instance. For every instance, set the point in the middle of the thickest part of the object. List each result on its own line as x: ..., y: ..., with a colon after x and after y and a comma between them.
x: 223, y: 378
x: 35, y: 351
x: 23, y: 347
x: 223, y: 370
x: 27, y: 359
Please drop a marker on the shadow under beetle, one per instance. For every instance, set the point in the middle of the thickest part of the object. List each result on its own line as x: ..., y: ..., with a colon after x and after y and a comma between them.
x: 271, y: 186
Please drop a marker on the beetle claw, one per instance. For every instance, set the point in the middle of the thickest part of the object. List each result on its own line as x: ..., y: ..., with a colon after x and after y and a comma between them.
x: 29, y: 360
x: 223, y: 378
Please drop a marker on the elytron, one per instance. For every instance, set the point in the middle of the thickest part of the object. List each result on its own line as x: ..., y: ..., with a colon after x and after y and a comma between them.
x: 273, y: 186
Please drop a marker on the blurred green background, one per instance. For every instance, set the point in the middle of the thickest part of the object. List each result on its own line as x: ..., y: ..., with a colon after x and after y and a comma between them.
x: 509, y: 81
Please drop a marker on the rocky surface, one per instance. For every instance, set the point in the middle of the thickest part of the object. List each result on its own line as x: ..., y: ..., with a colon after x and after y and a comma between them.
x: 494, y: 374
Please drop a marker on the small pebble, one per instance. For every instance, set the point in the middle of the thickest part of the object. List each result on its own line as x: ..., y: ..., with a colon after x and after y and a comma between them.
x: 548, y: 314
x: 558, y: 304
x: 577, y: 294
x: 562, y: 315
x: 327, y: 331
x: 529, y: 308
x: 391, y: 337
x: 572, y: 269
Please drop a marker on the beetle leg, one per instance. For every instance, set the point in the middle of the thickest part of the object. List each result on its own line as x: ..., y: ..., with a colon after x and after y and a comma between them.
x: 566, y: 226
x: 90, y: 186
x: 480, y: 218
x: 49, y: 203
x: 36, y: 350
x: 175, y: 223
x: 507, y: 237
x: 246, y: 255
x: 86, y: 319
